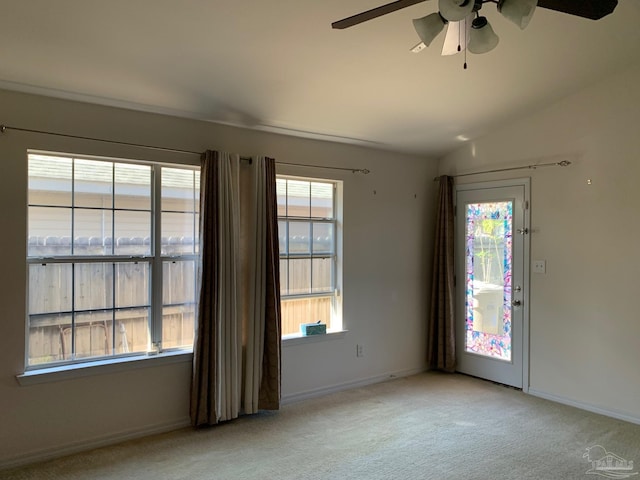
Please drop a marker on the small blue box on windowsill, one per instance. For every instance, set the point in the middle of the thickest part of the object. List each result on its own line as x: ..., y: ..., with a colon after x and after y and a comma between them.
x: 308, y: 329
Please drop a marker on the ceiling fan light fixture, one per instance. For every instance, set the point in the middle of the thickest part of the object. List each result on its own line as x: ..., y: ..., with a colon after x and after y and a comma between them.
x: 429, y: 27
x: 455, y: 10
x: 482, y: 37
x: 518, y: 11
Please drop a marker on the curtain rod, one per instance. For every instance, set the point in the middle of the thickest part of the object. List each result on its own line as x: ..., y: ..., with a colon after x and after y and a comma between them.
x: 563, y: 163
x: 364, y: 171
x: 4, y: 128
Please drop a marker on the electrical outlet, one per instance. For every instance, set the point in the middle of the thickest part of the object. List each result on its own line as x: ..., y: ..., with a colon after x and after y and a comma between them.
x: 359, y: 350
x: 539, y: 266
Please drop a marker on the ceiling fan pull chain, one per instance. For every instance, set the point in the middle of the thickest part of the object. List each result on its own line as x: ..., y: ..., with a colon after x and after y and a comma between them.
x: 465, y: 43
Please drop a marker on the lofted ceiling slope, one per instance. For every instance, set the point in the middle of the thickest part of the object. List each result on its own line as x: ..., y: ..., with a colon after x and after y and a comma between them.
x: 278, y: 66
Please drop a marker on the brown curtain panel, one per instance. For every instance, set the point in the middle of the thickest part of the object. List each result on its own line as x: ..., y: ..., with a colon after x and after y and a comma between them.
x: 441, y: 346
x: 236, y: 365
x: 203, y: 383
x: 270, y: 393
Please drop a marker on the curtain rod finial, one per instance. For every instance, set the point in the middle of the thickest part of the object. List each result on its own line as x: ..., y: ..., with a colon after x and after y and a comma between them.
x: 3, y: 128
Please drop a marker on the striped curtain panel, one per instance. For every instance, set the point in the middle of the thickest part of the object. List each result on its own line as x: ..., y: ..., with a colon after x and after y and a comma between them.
x: 236, y: 367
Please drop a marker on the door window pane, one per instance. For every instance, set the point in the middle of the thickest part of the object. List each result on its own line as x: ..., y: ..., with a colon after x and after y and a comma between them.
x: 488, y: 279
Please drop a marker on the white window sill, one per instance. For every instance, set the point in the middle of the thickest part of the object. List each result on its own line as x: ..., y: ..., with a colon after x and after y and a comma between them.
x: 297, y: 339
x: 122, y: 364
x: 112, y: 365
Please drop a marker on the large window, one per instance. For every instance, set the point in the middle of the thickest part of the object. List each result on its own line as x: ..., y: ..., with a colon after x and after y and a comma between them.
x: 308, y: 213
x: 112, y: 250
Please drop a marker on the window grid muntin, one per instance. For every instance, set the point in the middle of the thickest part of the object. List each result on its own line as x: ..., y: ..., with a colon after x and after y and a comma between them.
x: 287, y: 255
x: 154, y: 257
x: 172, y: 257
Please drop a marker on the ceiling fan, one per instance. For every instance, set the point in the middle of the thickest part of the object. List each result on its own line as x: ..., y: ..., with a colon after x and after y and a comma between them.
x: 467, y: 30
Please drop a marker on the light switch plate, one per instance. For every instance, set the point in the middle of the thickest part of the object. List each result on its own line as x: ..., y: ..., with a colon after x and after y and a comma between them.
x: 539, y: 266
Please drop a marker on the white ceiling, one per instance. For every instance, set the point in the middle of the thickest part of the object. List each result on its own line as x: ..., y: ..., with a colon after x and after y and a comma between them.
x: 278, y: 66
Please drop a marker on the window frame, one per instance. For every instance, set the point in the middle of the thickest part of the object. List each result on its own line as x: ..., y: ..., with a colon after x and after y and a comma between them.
x: 154, y: 258
x: 336, y: 255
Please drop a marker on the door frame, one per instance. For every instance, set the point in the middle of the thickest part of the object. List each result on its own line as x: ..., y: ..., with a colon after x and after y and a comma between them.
x: 526, y: 221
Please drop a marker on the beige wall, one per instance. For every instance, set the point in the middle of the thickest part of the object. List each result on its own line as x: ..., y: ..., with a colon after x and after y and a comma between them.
x: 584, y: 315
x: 388, y: 219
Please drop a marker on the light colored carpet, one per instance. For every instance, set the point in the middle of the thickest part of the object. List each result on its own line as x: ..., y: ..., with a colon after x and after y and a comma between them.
x: 428, y: 426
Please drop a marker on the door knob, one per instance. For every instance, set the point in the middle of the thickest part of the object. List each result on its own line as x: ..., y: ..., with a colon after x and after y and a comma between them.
x: 516, y: 303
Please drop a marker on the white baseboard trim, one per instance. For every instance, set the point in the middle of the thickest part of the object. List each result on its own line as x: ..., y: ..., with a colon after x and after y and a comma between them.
x: 585, y: 406
x: 96, y: 442
x: 318, y: 392
x: 114, y: 438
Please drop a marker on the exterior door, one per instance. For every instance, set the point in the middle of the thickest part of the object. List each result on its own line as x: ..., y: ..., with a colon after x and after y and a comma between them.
x: 492, y: 247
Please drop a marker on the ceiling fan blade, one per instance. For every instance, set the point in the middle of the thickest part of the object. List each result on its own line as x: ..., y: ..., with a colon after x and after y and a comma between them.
x: 593, y: 9
x: 456, y: 36
x: 418, y: 48
x: 374, y: 13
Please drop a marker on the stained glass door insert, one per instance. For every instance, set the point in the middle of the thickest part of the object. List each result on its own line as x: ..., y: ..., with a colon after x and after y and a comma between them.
x: 492, y: 248
x: 488, y: 261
